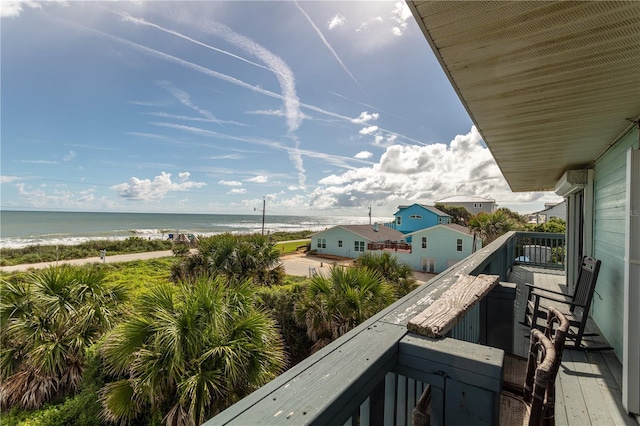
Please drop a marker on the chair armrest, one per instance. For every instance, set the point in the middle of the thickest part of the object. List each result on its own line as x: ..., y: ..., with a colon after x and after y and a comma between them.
x: 556, y: 299
x: 533, y: 287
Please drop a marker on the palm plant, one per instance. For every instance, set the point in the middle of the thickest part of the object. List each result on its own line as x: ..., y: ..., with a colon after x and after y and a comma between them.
x: 490, y: 226
x: 398, y: 274
x: 48, y: 321
x: 335, y: 304
x: 188, y: 352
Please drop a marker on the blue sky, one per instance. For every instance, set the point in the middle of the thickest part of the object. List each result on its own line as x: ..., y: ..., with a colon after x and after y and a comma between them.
x: 319, y: 107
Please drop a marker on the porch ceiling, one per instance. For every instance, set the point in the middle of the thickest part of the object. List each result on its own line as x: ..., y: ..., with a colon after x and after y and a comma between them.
x: 548, y: 84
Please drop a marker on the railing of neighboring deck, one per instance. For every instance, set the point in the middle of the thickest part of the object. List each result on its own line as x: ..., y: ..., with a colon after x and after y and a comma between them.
x: 543, y: 249
x: 375, y: 374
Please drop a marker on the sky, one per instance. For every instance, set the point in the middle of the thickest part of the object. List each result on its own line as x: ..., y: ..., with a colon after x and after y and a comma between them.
x: 315, y: 107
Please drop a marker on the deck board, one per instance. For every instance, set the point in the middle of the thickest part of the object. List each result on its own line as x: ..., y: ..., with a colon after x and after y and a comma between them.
x: 589, y: 383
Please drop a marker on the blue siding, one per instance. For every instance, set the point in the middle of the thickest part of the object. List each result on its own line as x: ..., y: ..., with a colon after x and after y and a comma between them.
x: 423, y: 218
x: 609, y: 239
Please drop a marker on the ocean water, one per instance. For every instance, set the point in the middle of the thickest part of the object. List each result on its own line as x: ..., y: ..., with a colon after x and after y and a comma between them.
x: 24, y: 228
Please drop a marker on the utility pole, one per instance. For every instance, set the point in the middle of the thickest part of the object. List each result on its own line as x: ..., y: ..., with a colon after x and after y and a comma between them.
x: 369, y: 215
x: 264, y: 205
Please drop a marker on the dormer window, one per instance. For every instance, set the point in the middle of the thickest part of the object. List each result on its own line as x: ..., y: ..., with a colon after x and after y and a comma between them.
x: 415, y: 216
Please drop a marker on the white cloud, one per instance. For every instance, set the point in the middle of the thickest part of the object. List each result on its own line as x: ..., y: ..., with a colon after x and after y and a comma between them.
x: 229, y: 183
x: 237, y: 191
x: 8, y: 179
x: 13, y: 9
x: 368, y: 130
x: 258, y: 179
x: 365, y: 25
x: 363, y: 155
x: 400, y: 15
x: 184, y: 176
x: 365, y: 117
x: 156, y: 190
x: 69, y: 156
x: 336, y: 21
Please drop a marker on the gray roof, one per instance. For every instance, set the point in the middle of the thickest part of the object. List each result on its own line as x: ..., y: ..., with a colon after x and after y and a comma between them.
x: 452, y: 226
x: 384, y: 233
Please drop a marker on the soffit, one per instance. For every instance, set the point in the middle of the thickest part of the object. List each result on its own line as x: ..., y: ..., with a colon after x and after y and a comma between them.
x: 548, y: 84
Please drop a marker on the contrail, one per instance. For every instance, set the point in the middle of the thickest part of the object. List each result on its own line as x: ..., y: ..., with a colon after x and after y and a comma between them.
x: 326, y: 43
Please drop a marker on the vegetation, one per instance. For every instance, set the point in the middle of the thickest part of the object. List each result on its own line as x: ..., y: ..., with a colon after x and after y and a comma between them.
x: 38, y: 253
x: 48, y: 322
x: 552, y: 225
x: 188, y: 352
x: 460, y: 215
x: 331, y: 306
x: 490, y: 226
x: 235, y: 256
x: 398, y: 274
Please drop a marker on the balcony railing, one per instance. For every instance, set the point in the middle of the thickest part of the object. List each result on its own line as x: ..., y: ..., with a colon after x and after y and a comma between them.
x: 544, y: 249
x: 375, y: 374
x: 390, y: 246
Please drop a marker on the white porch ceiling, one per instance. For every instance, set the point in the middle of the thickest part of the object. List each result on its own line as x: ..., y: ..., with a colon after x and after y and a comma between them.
x: 548, y: 84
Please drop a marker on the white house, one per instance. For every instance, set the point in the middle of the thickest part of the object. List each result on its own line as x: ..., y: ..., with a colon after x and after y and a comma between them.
x: 474, y: 205
x: 551, y: 211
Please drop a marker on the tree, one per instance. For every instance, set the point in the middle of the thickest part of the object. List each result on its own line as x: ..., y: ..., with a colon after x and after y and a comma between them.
x: 398, y: 274
x: 48, y: 321
x: 552, y: 225
x: 235, y: 256
x: 333, y: 305
x: 518, y: 221
x: 460, y: 215
x: 490, y: 226
x: 189, y: 351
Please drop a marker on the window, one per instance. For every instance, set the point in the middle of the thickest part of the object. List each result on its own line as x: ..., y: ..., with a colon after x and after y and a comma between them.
x: 322, y: 243
x: 415, y: 216
x: 477, y: 205
x: 424, y: 242
x: 441, y: 220
x: 398, y: 220
x: 428, y: 264
x: 339, y: 243
x: 459, y: 244
x: 358, y: 246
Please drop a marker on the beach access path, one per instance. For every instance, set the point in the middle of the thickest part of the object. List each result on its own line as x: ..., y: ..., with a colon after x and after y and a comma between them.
x: 297, y: 264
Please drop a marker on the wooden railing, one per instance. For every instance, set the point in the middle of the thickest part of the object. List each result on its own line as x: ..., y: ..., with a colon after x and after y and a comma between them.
x: 374, y: 374
x: 390, y: 246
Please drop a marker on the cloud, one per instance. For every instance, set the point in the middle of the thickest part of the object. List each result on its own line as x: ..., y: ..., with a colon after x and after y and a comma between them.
x: 237, y: 191
x: 327, y: 45
x: 363, y: 155
x: 258, y: 179
x: 365, y: 25
x: 368, y: 130
x: 229, y: 183
x: 336, y: 21
x: 8, y: 179
x: 365, y: 117
x: 69, y: 156
x: 400, y: 14
x: 13, y: 9
x: 184, y: 176
x: 156, y: 190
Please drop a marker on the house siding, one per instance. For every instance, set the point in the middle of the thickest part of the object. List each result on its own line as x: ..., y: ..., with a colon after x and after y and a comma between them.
x: 609, y: 239
x: 428, y: 219
x: 332, y: 237
x: 441, y: 246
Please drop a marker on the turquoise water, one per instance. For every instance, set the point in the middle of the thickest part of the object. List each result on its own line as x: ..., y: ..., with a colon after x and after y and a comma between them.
x: 23, y: 228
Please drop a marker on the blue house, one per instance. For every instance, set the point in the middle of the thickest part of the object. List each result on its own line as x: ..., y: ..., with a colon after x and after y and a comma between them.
x: 418, y: 216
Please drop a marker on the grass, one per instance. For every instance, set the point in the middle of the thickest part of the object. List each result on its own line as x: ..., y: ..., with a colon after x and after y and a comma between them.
x: 291, y: 246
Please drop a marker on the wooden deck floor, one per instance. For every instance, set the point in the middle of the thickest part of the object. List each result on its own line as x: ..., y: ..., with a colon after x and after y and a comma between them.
x: 589, y: 383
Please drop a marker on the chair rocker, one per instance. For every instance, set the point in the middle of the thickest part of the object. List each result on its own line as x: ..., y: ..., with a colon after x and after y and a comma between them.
x: 578, y: 304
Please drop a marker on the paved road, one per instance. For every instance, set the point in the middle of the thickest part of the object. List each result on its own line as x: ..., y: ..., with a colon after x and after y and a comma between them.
x: 297, y: 264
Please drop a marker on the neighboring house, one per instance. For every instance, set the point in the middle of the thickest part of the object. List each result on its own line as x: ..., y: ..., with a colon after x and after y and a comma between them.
x: 353, y: 240
x: 559, y: 109
x: 418, y: 216
x: 474, y: 205
x: 552, y: 211
x: 437, y: 248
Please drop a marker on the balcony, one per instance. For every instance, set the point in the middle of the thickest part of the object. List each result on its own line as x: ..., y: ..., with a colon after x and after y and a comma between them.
x: 390, y: 246
x: 375, y: 374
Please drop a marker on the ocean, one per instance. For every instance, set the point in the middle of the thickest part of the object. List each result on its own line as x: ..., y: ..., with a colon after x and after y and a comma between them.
x: 24, y: 228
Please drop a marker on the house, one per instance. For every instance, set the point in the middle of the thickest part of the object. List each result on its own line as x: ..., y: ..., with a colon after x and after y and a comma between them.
x: 553, y: 89
x: 474, y: 205
x: 418, y: 216
x: 552, y: 211
x: 354, y: 240
x: 439, y: 247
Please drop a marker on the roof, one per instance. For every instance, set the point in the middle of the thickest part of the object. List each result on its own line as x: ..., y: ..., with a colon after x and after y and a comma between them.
x: 452, y: 226
x: 432, y: 209
x: 384, y: 233
x: 465, y: 199
x: 549, y: 85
